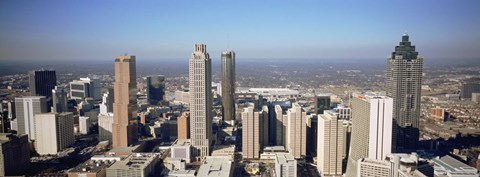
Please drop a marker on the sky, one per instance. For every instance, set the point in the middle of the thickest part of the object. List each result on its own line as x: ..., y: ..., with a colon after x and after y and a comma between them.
x: 167, y: 30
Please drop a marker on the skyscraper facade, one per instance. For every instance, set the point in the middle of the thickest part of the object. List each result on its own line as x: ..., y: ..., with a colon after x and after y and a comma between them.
x: 228, y: 85
x: 54, y: 132
x: 59, y: 98
x: 251, y: 125
x: 297, y: 131
x: 42, y: 82
x: 155, y: 89
x: 371, y: 131
x: 26, y: 108
x: 322, y: 102
x: 404, y: 82
x: 330, y: 144
x: 200, y: 84
x: 14, y: 154
x: 85, y: 87
x: 124, y: 128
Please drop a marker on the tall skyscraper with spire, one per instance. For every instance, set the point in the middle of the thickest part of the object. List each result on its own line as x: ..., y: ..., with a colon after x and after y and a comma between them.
x: 124, y: 129
x: 200, y: 83
x: 404, y: 82
x: 228, y: 85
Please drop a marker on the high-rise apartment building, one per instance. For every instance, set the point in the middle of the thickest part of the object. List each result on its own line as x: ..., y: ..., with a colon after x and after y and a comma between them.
x: 124, y: 128
x: 330, y: 145
x: 42, y: 82
x: 404, y: 83
x: 155, y: 89
x: 54, y: 132
x: 200, y: 84
x: 280, y: 126
x: 468, y: 88
x: 14, y: 154
x: 59, y: 98
x: 322, y: 103
x: 107, y: 102
x: 228, y: 85
x: 296, y: 131
x: 372, y: 129
x: 26, y: 108
x: 264, y: 127
x: 251, y: 137
x: 85, y: 88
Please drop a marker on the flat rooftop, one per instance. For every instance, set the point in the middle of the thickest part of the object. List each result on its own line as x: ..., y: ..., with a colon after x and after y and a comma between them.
x: 284, y: 158
x: 135, y: 161
x: 215, y: 166
x: 182, y: 142
x: 90, y: 167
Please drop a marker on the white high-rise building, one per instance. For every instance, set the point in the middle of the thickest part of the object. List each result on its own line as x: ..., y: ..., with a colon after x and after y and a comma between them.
x: 105, y: 122
x: 296, y: 131
x: 372, y: 129
x: 251, y: 132
x: 85, y: 87
x: 200, y: 79
x: 84, y: 124
x: 26, y: 108
x: 330, y: 145
x: 53, y: 132
x: 373, y: 167
x: 107, y: 102
x: 280, y: 127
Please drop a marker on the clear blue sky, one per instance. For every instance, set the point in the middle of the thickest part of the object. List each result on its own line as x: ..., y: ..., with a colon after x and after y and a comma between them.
x: 87, y: 29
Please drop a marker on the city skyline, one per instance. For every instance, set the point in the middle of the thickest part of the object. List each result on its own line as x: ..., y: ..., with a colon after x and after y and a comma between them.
x: 163, y: 30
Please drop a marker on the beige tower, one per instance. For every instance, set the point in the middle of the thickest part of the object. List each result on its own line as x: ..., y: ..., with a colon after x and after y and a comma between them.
x: 251, y: 132
x: 330, y: 144
x: 124, y: 129
x: 200, y: 83
x: 297, y: 131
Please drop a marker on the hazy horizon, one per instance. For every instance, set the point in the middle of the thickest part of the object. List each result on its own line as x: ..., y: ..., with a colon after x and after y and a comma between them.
x: 74, y: 30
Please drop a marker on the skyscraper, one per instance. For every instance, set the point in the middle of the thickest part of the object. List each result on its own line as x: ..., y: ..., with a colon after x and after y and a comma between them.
x: 371, y: 131
x: 404, y: 82
x: 200, y: 84
x: 124, y: 128
x: 330, y: 144
x: 54, y: 132
x: 59, y: 98
x: 296, y: 131
x: 14, y: 154
x: 85, y: 87
x: 155, y: 89
x: 228, y: 85
x: 42, y: 82
x: 251, y: 125
x: 322, y: 102
x: 26, y: 108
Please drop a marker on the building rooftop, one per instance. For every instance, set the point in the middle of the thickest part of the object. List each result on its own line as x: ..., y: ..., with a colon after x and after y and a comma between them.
x: 135, y: 161
x: 90, y: 167
x: 215, y: 166
x: 449, y: 165
x: 182, y: 142
x: 284, y: 158
x: 6, y: 137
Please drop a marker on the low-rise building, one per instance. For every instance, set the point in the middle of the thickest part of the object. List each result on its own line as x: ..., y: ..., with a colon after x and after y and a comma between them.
x: 135, y: 165
x: 216, y: 167
x: 182, y: 149
x: 285, y: 165
x: 90, y: 169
